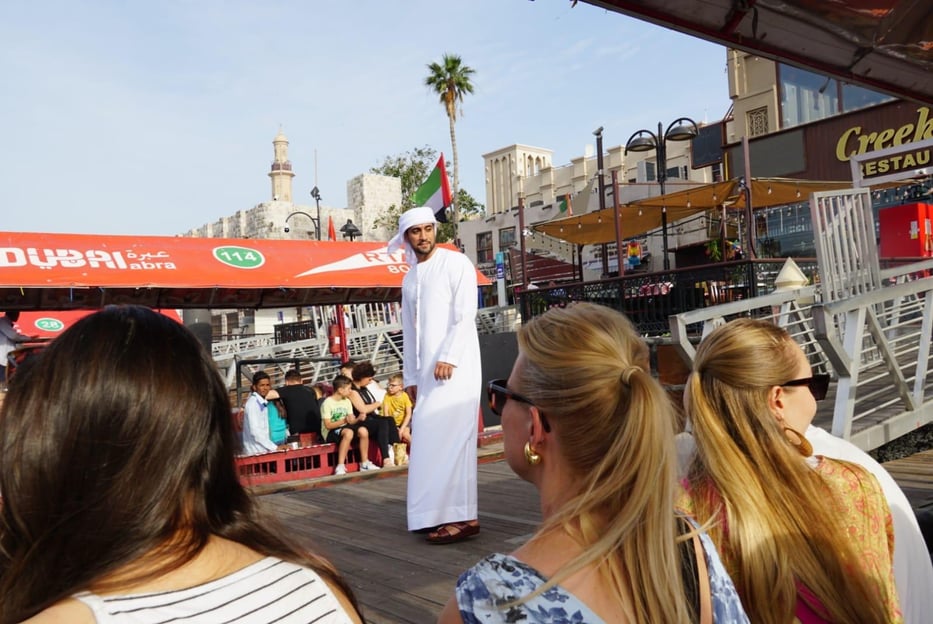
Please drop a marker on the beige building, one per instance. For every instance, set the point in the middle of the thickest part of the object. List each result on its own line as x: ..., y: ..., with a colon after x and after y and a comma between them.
x: 369, y: 196
x: 766, y: 98
x: 769, y: 97
x: 280, y: 217
x: 529, y: 171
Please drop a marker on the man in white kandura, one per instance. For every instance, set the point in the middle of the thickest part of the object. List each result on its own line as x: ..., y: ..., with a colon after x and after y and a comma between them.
x: 442, y: 372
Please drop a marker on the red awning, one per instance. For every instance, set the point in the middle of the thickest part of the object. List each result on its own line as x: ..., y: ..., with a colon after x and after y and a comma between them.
x: 77, y: 271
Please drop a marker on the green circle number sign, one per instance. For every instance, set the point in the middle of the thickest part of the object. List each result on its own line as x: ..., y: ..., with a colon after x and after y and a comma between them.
x: 240, y: 257
x: 49, y: 324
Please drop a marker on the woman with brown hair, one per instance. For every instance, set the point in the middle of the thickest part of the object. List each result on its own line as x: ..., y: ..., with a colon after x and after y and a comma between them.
x: 805, y: 537
x: 121, y: 500
x: 598, y: 446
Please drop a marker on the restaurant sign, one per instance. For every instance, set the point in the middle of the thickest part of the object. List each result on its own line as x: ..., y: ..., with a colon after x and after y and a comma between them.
x: 890, y: 153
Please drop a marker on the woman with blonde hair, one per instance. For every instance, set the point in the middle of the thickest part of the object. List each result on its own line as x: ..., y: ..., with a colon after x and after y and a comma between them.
x: 598, y: 446
x: 121, y: 500
x: 803, y: 537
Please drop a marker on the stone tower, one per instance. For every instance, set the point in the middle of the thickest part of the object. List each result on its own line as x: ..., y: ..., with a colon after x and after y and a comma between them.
x: 281, y: 172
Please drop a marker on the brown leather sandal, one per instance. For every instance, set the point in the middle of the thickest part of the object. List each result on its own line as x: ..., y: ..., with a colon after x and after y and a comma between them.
x: 453, y: 532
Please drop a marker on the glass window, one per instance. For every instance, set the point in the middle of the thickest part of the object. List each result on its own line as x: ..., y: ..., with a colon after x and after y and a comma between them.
x: 650, y: 174
x: 506, y: 238
x: 784, y: 231
x: 855, y: 97
x: 806, y: 96
x: 716, y: 169
x: 484, y: 248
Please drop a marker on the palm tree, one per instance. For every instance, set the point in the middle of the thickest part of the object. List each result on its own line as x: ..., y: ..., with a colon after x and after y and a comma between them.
x: 450, y: 79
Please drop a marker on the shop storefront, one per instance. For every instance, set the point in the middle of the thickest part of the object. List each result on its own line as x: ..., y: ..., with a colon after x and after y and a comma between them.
x: 821, y: 151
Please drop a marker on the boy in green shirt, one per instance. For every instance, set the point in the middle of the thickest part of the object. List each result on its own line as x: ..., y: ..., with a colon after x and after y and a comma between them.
x: 339, y: 425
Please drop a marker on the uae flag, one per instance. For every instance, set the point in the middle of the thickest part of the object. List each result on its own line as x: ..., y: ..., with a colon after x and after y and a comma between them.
x: 435, y: 192
x: 565, y: 203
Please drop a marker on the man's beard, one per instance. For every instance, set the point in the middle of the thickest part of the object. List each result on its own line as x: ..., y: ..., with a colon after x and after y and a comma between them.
x: 424, y: 254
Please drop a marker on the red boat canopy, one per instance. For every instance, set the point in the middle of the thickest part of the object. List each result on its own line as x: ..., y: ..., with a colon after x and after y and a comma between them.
x: 50, y: 324
x: 77, y: 271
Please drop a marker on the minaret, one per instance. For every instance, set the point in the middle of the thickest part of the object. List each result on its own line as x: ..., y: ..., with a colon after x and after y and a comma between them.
x: 281, y: 173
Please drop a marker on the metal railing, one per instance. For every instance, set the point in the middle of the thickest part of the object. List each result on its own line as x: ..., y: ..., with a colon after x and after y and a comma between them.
x: 374, y: 333
x: 876, y: 345
x: 649, y: 299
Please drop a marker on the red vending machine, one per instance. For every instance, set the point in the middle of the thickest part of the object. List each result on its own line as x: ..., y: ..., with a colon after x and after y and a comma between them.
x: 906, y: 231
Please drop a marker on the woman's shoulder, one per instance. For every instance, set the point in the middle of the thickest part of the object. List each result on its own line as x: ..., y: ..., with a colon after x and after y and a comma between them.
x: 506, y: 567
x: 848, y: 479
x: 68, y: 611
x: 726, y: 604
x: 496, y: 579
x: 499, y: 579
x: 287, y: 591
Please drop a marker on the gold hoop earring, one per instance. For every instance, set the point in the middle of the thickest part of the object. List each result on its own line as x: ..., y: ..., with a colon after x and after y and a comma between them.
x: 530, y: 456
x: 798, y: 441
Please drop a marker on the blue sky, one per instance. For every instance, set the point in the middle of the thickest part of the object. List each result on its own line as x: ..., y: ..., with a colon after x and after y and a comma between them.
x: 153, y: 118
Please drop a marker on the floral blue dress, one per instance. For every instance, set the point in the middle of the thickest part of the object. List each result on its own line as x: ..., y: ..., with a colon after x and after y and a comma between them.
x: 499, y: 579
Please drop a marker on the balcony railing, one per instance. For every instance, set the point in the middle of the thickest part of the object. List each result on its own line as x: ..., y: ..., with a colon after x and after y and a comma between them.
x: 648, y: 299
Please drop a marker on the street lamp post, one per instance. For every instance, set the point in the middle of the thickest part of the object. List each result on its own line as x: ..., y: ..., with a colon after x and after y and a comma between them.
x: 316, y: 194
x: 682, y: 129
x: 350, y: 230
x: 521, y: 241
x: 601, y: 184
x: 316, y: 222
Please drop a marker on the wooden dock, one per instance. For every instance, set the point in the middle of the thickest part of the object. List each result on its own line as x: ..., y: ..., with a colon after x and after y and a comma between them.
x: 915, y: 476
x: 358, y: 522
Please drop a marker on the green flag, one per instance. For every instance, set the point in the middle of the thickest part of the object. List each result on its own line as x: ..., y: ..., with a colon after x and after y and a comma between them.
x: 565, y: 204
x: 435, y: 192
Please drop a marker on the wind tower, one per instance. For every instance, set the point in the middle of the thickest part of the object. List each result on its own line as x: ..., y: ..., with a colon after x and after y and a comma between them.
x: 281, y: 172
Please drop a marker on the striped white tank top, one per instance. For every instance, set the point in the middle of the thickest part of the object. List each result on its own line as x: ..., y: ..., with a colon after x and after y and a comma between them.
x: 270, y: 590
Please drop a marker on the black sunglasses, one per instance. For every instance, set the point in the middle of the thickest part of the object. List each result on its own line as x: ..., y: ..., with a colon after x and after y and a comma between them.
x: 818, y: 385
x: 498, y: 393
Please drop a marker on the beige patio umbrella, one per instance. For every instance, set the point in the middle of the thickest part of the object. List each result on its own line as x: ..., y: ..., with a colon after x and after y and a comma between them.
x: 644, y: 215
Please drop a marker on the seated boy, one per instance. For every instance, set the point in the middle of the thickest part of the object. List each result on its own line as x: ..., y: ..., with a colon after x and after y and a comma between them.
x: 339, y: 425
x: 397, y: 405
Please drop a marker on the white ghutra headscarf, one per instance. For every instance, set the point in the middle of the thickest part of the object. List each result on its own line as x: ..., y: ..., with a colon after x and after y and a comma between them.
x: 409, y: 219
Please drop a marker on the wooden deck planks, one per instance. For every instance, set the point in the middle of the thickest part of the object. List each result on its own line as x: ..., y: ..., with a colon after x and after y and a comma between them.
x: 915, y: 476
x: 359, y: 524
x: 397, y: 575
